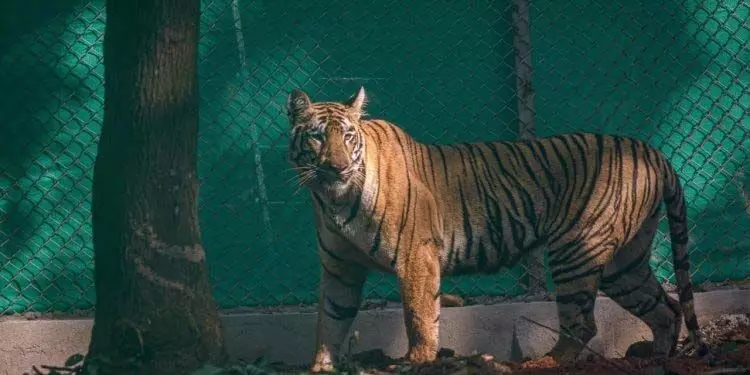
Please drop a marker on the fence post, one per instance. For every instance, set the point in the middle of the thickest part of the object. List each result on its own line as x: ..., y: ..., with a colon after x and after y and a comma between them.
x: 525, y: 92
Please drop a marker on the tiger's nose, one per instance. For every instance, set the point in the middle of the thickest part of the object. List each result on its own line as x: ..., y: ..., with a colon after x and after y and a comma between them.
x: 335, y: 167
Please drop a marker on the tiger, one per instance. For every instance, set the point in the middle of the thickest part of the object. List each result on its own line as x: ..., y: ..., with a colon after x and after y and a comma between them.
x: 385, y: 202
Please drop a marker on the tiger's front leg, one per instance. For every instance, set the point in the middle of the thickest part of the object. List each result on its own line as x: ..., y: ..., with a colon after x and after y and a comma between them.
x: 339, y: 298
x: 419, y: 278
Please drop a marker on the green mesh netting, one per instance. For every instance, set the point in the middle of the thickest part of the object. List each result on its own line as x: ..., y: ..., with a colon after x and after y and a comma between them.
x: 674, y: 73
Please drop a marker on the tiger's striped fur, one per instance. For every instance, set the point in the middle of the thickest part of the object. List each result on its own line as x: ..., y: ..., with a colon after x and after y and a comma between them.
x: 420, y: 211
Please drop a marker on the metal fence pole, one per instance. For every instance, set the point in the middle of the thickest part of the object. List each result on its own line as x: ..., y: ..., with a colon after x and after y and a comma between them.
x: 525, y: 93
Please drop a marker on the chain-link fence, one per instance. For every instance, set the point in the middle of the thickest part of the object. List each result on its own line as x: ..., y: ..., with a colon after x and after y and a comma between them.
x: 672, y: 72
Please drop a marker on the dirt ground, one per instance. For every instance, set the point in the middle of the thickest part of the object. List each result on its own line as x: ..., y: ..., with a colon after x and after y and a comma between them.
x: 728, y: 338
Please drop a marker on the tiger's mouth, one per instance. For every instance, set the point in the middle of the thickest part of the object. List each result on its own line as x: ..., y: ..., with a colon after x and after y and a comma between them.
x: 327, y: 176
x: 330, y: 178
x: 322, y: 177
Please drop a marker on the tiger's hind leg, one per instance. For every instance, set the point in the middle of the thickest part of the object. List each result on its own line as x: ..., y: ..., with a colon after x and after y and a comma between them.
x: 629, y: 281
x: 576, y: 270
x: 575, y: 311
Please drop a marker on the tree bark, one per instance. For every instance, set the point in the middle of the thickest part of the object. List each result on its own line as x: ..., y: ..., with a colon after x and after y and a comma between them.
x: 155, y: 312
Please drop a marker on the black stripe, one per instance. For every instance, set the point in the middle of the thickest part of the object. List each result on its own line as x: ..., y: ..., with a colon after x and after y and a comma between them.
x: 492, y: 212
x: 376, y: 241
x: 527, y: 203
x: 583, y: 259
x: 354, y: 210
x: 560, y: 256
x: 473, y: 164
x: 424, y: 166
x: 682, y: 262
x: 407, y: 203
x: 566, y: 169
x: 645, y: 306
x: 502, y: 178
x: 496, y: 239
x: 491, y: 206
x: 533, y: 175
x: 326, y: 250
x: 508, y: 176
x: 621, y: 161
x: 457, y: 149
x: 481, y: 256
x: 635, y: 209
x: 521, y: 189
x: 545, y: 163
x: 672, y: 188
x: 576, y: 218
x: 468, y: 234
x: 525, y: 161
x: 627, y: 269
x: 589, y: 272
x: 597, y: 211
x: 335, y: 276
x: 568, y: 162
x: 452, y: 249
x: 685, y: 293
x: 503, y: 253
x: 631, y: 287
x: 562, y: 196
x: 648, y: 201
x: 340, y: 312
x: 376, y: 171
x: 680, y: 238
x: 677, y: 219
x: 579, y: 298
x: 568, y: 251
x: 678, y: 232
x: 517, y: 232
x: 581, y: 144
x: 601, y: 206
x: 432, y: 165
x: 410, y: 244
x: 445, y: 165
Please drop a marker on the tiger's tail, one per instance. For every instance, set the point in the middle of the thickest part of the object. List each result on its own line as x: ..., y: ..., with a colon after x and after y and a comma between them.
x: 674, y: 199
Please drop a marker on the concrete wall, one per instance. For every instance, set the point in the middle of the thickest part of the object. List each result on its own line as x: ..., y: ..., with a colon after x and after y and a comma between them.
x: 289, y: 336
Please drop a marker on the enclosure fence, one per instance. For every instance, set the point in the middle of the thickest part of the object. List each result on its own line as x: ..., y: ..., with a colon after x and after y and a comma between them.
x: 673, y: 72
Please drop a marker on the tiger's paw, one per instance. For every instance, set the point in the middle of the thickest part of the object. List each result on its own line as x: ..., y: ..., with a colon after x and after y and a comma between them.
x: 641, y: 349
x: 319, y: 367
x: 421, y: 354
x: 323, y: 361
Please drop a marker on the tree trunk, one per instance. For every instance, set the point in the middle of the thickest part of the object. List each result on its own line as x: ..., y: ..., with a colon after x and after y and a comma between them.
x: 155, y: 312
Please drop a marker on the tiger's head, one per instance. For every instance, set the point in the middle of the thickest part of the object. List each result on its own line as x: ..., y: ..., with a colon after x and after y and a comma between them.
x: 326, y: 144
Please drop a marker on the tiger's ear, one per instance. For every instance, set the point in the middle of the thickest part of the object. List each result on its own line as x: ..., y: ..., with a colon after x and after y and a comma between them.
x: 357, y: 102
x: 297, y: 105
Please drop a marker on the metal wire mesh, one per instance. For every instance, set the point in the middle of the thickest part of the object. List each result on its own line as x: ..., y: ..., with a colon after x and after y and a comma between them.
x: 673, y: 73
